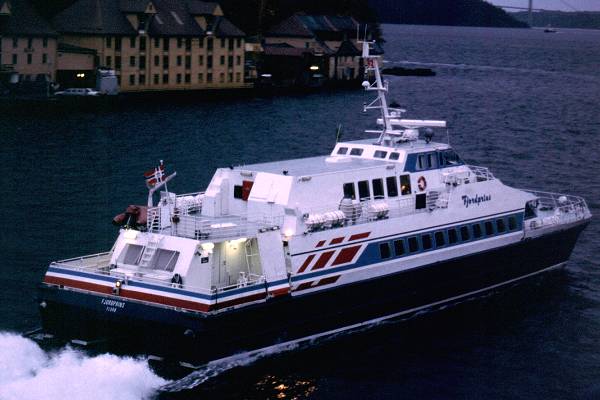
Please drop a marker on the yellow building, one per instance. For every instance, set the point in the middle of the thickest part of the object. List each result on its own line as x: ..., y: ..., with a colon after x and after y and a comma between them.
x: 27, y: 42
x: 158, y: 44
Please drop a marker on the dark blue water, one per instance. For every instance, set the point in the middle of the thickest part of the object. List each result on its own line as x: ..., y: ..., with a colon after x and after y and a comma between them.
x: 524, y: 103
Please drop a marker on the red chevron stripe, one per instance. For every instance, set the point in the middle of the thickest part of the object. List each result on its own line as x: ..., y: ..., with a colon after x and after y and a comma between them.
x: 328, y: 281
x: 304, y: 286
x: 306, y: 263
x: 322, y: 261
x: 337, y: 240
x: 359, y: 236
x: 321, y: 243
x: 346, y: 255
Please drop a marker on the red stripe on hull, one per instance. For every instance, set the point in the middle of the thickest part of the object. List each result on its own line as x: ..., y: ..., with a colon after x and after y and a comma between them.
x: 304, y: 286
x: 328, y: 281
x: 306, y: 263
x: 337, y: 240
x: 321, y: 243
x: 241, y: 300
x: 279, y: 292
x: 346, y: 255
x: 92, y: 287
x: 322, y: 261
x: 359, y: 236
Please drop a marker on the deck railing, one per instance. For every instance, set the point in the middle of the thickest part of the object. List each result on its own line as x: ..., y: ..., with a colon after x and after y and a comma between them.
x: 556, y: 209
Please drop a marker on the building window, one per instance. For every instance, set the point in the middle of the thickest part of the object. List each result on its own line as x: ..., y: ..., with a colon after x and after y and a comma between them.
x: 165, y: 62
x: 238, y: 77
x: 238, y: 60
x: 384, y: 250
x: 108, y: 61
x: 165, y: 78
x: 209, y: 77
x: 349, y: 191
x: 222, y: 77
x: 200, y: 77
x: 209, y: 44
x: 132, y: 61
x: 188, y: 62
x: 29, y: 58
x: 166, y: 44
x: 405, y: 184
x: 188, y: 44
x: 156, y: 61
x: 45, y: 42
x: 29, y: 43
x: 439, y: 239
x: 230, y: 44
x: 378, y: 188
x: 156, y: 79
x: 230, y: 61
x: 209, y: 62
x: 200, y: 60
x: 117, y: 43
x: 222, y: 60
x: 179, y: 43
x: 178, y: 78
x: 188, y: 78
x: 201, y: 43
x: 230, y: 77
x: 238, y: 43
x: 392, y: 187
x: 15, y: 42
x: 399, y: 247
x: 132, y: 80
x: 363, y: 190
x: 223, y: 40
x: 143, y: 62
x: 14, y: 59
x: 413, y: 244
x: 132, y: 42
x: 179, y: 61
x: 118, y: 62
x: 142, y: 79
x: 142, y: 43
x: 44, y: 58
x: 157, y: 42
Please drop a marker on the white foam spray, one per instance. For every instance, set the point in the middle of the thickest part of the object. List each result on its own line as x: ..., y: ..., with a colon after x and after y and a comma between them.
x: 28, y: 372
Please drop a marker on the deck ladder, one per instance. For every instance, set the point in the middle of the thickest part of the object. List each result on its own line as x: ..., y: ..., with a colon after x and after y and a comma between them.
x: 149, y: 250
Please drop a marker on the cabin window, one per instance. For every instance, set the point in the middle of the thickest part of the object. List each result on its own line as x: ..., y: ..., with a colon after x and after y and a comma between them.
x: 363, y: 190
x: 420, y: 162
x: 399, y: 247
x: 342, y: 150
x: 394, y: 156
x: 413, y: 245
x: 384, y: 250
x: 378, y: 189
x: 464, y: 233
x: 512, y: 223
x: 477, y: 231
x: 392, y: 187
x: 452, y: 236
x: 349, y: 191
x: 439, y: 239
x: 449, y: 158
x: 131, y: 254
x: 405, y: 184
x: 237, y: 191
x: 356, y: 152
x: 420, y: 201
x: 164, y: 260
x: 432, y: 160
x: 426, y: 241
x: 489, y: 228
x: 500, y: 226
x: 380, y: 154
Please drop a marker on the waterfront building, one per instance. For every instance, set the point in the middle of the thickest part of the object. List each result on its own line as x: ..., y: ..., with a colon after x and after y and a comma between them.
x: 27, y: 42
x: 331, y: 40
x: 158, y: 44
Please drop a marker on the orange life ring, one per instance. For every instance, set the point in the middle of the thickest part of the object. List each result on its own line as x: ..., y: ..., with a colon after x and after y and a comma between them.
x: 422, y: 183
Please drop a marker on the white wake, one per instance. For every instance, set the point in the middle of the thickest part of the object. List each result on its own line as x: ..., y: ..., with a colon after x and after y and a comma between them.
x: 28, y: 372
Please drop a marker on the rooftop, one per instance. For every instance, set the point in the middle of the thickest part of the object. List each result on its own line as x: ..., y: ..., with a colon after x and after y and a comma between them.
x: 19, y: 18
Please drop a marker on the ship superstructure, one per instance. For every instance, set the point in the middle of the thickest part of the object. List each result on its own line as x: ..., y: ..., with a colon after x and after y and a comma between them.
x: 283, y: 250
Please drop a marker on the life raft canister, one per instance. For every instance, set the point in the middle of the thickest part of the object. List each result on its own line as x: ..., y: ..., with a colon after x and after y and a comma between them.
x: 422, y: 183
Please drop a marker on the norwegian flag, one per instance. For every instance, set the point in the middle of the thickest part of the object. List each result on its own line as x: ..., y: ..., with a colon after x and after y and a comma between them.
x: 155, y: 176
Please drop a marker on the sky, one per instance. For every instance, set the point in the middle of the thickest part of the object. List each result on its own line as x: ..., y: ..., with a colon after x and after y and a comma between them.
x: 563, y: 5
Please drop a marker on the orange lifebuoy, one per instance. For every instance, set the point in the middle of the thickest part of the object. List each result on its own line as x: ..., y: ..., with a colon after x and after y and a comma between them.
x: 422, y: 183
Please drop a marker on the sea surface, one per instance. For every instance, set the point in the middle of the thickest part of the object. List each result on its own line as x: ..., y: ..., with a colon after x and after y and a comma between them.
x: 522, y: 102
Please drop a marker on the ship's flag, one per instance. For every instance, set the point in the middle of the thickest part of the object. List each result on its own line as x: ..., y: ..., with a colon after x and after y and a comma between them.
x: 155, y: 176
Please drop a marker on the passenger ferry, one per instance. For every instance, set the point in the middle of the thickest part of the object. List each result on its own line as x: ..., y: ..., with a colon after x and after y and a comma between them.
x: 281, y: 251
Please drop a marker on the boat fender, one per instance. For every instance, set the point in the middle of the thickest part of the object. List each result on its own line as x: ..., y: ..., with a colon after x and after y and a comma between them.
x: 177, y: 279
x: 422, y: 183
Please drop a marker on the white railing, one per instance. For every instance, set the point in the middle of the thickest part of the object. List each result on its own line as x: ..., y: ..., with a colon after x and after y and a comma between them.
x: 465, y: 174
x: 557, y: 209
x: 481, y: 173
x: 99, y: 261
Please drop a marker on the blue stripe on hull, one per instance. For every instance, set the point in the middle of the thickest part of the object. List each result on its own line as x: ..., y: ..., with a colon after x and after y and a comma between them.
x: 161, y: 331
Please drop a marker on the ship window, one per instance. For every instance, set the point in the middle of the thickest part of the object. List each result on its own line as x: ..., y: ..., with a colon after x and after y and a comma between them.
x: 399, y: 247
x: 431, y: 160
x: 489, y: 228
x: 380, y: 154
x: 420, y: 162
x: 392, y: 188
x: 439, y: 239
x: 356, y: 152
x: 413, y: 245
x: 363, y: 190
x: 349, y: 191
x: 164, y: 260
x: 512, y: 223
x: 237, y: 191
x: 342, y: 150
x: 449, y: 157
x: 131, y: 254
x: 420, y: 201
x: 500, y: 225
x: 405, y: 184
x: 477, y: 231
x: 426, y: 241
x: 452, y: 236
x: 394, y: 156
x: 378, y: 189
x: 384, y: 250
x: 464, y: 233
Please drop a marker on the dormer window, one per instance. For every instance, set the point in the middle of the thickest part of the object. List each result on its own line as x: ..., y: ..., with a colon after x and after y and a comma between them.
x: 342, y: 150
x: 356, y: 152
